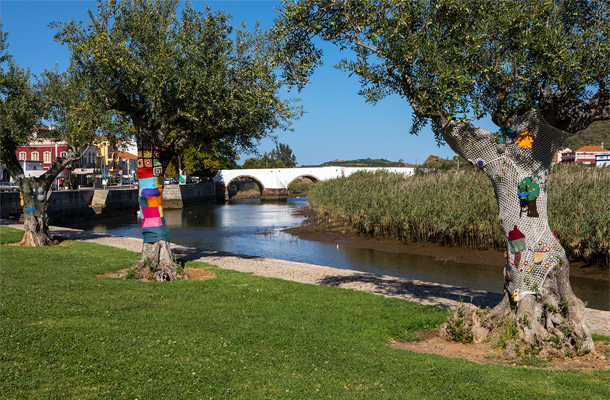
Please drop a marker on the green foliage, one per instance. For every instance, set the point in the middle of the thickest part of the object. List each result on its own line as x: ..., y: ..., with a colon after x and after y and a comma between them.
x: 508, y: 332
x: 185, y: 72
x: 457, y: 58
x: 206, y: 160
x: 131, y: 274
x: 283, y: 153
x: 435, y: 164
x: 280, y: 157
x: 596, y: 134
x: 21, y: 104
x: 457, y: 329
x: 63, y: 98
x: 300, y: 188
x: 441, y: 208
x: 564, y: 307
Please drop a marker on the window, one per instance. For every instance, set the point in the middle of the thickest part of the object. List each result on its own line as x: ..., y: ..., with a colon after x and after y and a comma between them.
x: 63, y: 154
x: 22, y: 155
x: 47, y: 156
x: 34, y: 156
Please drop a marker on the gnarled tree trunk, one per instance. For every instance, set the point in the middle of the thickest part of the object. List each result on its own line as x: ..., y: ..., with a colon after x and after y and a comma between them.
x: 34, y: 198
x: 157, y: 262
x: 539, y: 301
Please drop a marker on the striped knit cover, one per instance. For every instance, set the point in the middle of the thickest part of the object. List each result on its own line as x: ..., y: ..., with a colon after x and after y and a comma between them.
x: 152, y: 161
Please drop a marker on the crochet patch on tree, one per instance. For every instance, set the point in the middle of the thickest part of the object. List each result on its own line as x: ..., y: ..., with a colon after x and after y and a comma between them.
x: 528, y: 193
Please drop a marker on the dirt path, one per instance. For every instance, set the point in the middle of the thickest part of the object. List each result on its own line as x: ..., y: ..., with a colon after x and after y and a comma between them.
x: 426, y: 293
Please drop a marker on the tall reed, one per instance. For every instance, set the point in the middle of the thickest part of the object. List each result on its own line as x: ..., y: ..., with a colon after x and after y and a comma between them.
x: 461, y: 210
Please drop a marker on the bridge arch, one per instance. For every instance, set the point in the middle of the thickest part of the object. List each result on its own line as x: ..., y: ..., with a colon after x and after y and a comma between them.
x: 308, y: 176
x: 249, y: 177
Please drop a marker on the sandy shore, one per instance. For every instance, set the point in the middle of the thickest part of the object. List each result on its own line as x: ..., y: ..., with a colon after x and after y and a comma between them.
x: 427, y: 293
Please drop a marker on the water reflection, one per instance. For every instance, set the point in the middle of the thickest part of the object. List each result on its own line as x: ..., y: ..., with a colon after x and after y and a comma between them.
x: 254, y: 228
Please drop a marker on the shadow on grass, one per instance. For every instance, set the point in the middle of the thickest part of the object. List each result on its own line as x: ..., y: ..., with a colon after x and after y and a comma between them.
x: 431, y: 294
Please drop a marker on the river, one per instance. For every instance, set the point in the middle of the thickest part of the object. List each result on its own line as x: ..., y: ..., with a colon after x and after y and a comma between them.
x: 257, y: 228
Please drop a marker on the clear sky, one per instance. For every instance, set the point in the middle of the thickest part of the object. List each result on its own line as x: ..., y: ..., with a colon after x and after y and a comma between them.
x: 337, y: 124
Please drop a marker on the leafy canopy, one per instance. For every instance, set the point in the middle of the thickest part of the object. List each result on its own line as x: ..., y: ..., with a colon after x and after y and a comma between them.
x: 461, y: 58
x: 280, y: 157
x: 206, y: 161
x: 185, y: 71
x: 62, y: 98
x: 21, y: 105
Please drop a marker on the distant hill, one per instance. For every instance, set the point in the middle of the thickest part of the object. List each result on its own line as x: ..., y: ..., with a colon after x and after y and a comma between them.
x: 379, y: 163
x: 596, y: 134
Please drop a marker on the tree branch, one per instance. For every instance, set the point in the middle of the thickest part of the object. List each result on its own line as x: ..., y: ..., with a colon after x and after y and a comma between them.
x: 572, y: 117
x: 439, y: 115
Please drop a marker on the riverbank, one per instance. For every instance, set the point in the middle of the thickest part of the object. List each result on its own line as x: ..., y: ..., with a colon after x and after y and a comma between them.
x: 318, y: 229
x: 426, y: 293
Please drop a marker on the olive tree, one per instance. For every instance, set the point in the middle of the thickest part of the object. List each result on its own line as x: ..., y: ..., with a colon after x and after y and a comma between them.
x: 538, y: 70
x: 23, y: 104
x: 185, y: 72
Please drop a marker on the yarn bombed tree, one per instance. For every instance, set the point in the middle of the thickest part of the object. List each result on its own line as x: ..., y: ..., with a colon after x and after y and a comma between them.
x: 540, y: 70
x: 178, y: 73
x: 76, y: 122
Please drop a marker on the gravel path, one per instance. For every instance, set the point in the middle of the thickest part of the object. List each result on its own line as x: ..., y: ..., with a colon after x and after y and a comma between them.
x: 427, y: 293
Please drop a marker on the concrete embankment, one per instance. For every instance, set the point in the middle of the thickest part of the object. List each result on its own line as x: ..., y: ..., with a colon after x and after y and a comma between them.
x: 67, y: 207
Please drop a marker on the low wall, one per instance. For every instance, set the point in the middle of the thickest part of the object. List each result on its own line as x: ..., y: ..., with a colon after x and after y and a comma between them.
x: 68, y: 206
x: 10, y: 205
x: 73, y: 206
x: 181, y: 196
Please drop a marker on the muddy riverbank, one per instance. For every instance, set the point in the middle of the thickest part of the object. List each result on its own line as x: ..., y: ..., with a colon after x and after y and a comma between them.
x: 314, y: 228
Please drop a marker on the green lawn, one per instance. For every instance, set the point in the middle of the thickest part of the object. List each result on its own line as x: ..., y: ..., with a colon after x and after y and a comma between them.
x: 67, y: 334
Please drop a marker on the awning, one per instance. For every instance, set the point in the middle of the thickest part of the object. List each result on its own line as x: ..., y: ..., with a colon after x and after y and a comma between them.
x: 83, y: 171
x: 62, y: 174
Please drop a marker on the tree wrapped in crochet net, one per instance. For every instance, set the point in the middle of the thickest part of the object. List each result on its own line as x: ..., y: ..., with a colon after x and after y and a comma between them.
x: 539, y: 70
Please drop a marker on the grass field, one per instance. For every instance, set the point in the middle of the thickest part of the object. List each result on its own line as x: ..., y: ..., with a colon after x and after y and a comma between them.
x: 66, y: 333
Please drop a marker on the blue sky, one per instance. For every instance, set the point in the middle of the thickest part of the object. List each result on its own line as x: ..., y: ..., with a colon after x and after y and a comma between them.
x: 338, y: 123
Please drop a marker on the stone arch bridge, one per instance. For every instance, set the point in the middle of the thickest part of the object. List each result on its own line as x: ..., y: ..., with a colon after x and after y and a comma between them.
x: 274, y: 182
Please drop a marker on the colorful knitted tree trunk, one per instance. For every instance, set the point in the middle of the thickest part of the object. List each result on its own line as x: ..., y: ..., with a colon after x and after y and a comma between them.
x: 157, y: 262
x: 34, y: 200
x: 518, y: 160
x: 152, y: 161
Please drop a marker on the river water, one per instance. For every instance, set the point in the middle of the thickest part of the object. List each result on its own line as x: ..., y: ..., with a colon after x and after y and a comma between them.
x: 255, y: 228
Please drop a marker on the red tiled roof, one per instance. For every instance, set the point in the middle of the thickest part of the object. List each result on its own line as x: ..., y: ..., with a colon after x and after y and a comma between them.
x: 591, y: 149
x: 127, y: 155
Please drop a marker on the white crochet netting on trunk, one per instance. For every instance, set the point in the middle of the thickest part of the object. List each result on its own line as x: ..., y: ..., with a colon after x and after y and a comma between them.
x: 519, y: 155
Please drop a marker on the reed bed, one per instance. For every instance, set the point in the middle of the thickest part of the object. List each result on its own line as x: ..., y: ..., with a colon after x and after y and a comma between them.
x: 461, y: 210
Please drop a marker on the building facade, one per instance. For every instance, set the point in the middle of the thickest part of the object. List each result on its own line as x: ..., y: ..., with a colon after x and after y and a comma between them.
x: 43, y: 152
x: 586, y: 155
